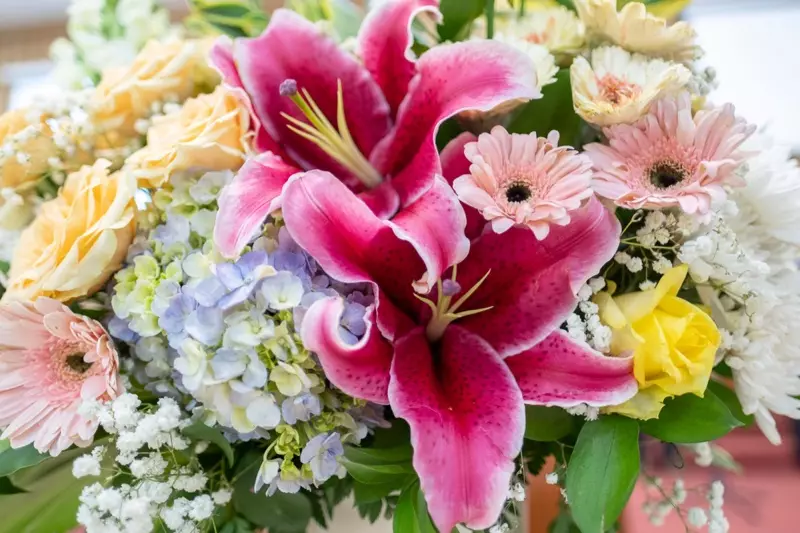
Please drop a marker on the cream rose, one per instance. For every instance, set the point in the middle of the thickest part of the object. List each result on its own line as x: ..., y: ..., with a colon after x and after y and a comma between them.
x: 26, y: 144
x: 78, y: 240
x: 210, y: 132
x: 174, y: 70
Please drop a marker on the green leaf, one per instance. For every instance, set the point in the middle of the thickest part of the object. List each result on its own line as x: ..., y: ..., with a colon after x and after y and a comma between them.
x: 370, y: 474
x: 554, y: 111
x: 364, y: 493
x: 457, y: 17
x: 690, y: 419
x: 289, y: 513
x: 731, y: 401
x: 411, y: 514
x: 379, y: 466
x: 236, y: 525
x: 7, y: 487
x: 547, y: 424
x: 370, y: 511
x: 12, y: 460
x: 201, y: 432
x: 602, y: 472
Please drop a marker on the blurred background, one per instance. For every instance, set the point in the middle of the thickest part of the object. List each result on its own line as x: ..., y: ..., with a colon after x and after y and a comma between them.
x: 753, y: 46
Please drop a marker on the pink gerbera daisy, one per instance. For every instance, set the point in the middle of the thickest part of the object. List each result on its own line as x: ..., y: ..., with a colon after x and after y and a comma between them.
x: 670, y: 158
x: 51, y: 360
x: 524, y: 180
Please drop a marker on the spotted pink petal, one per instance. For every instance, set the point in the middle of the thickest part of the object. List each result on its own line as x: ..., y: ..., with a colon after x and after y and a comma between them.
x: 221, y: 57
x: 562, y: 372
x: 353, y: 245
x: 294, y: 48
x: 360, y: 370
x: 532, y: 284
x: 384, y: 43
x: 466, y: 417
x: 454, y: 165
x: 450, y: 78
x: 435, y: 225
x: 246, y: 201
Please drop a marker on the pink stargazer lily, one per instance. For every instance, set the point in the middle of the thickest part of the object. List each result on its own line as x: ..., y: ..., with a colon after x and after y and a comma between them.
x: 372, y: 123
x: 458, y: 363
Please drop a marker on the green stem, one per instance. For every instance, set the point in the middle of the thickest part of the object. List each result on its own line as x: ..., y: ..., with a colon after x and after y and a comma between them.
x: 521, y: 8
x: 489, y: 19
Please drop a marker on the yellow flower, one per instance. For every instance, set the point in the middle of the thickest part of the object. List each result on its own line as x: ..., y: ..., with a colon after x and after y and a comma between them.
x: 618, y: 87
x: 673, y: 343
x: 78, y: 240
x: 634, y: 29
x: 556, y: 28
x: 26, y: 144
x: 210, y: 132
x: 162, y: 71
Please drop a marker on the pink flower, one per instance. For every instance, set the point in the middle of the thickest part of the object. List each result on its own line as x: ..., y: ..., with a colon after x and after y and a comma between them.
x: 458, y: 362
x: 51, y: 360
x: 670, y: 158
x: 371, y: 123
x: 524, y: 180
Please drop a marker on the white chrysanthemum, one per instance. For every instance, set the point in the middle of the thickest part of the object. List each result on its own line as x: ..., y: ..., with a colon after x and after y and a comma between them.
x: 619, y: 87
x: 545, y: 62
x: 768, y: 221
x: 558, y: 29
x: 636, y: 30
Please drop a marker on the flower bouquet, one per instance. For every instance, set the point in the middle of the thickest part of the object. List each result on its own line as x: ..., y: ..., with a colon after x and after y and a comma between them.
x: 401, y: 257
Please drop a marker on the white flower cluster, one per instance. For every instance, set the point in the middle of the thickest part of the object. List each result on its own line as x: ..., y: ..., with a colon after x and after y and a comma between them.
x: 748, y: 255
x: 585, y: 325
x: 145, y: 443
x: 696, y: 517
x: 105, y: 34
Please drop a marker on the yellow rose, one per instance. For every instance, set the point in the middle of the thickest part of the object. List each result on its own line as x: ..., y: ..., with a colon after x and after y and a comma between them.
x: 26, y: 144
x: 210, y: 132
x: 673, y: 343
x: 78, y: 240
x: 162, y: 71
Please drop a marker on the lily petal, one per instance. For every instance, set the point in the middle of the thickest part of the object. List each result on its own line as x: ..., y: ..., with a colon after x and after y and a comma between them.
x: 532, y: 284
x: 450, y: 78
x: 294, y: 48
x: 246, y: 201
x: 435, y: 224
x: 467, y: 418
x: 352, y: 244
x: 360, y: 370
x: 563, y: 372
x: 454, y: 165
x: 221, y: 57
x: 384, y: 43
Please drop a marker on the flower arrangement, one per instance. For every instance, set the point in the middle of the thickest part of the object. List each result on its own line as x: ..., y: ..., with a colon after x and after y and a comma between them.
x: 403, y: 256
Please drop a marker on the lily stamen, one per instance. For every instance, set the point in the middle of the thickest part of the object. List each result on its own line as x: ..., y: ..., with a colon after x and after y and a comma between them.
x: 444, y: 313
x: 336, y: 141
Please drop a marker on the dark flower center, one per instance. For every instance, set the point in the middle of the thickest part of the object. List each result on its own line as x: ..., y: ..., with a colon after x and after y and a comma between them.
x: 665, y: 174
x: 76, y: 363
x: 519, y: 192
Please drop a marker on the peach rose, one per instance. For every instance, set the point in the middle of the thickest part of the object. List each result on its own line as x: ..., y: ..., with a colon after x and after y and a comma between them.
x: 78, y: 240
x: 173, y: 70
x: 210, y: 132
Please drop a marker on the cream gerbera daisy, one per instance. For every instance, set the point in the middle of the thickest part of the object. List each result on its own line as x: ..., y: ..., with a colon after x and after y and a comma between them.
x: 545, y: 63
x: 617, y: 87
x: 557, y: 29
x: 636, y: 30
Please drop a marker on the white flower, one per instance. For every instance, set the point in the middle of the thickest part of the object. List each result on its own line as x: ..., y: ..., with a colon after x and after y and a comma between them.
x: 202, y: 222
x: 557, y: 29
x: 267, y: 472
x: 192, y: 363
x: 202, y: 507
x: 696, y: 517
x: 551, y: 478
x: 222, y: 496
x: 618, y: 87
x: 284, y: 290
x: 264, y: 412
x: 544, y: 62
x: 88, y: 464
x: 247, y: 329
